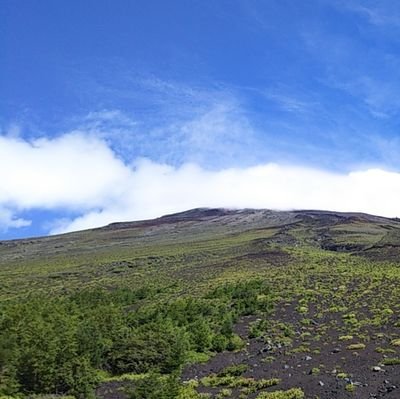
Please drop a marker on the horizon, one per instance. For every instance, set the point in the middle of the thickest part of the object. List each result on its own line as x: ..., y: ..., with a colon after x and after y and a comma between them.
x: 319, y: 211
x: 130, y: 111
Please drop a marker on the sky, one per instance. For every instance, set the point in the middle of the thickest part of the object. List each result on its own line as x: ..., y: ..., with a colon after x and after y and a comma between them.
x: 125, y: 110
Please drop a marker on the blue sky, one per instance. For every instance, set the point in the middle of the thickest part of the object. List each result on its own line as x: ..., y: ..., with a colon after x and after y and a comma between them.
x: 182, y: 90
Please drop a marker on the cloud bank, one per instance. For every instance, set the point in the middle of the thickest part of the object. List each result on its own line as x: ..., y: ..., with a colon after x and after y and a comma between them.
x: 80, y: 173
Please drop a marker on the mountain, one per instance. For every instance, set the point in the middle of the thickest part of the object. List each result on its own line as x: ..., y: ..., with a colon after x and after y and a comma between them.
x: 284, y: 303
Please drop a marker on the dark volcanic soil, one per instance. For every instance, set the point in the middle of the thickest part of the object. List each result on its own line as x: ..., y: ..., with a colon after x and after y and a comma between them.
x: 328, y: 355
x: 323, y: 368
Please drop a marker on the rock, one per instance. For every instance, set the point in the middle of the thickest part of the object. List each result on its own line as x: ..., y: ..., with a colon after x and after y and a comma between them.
x: 267, y: 348
x: 376, y: 369
x: 286, y: 367
x: 336, y: 350
x: 308, y: 358
x: 321, y: 383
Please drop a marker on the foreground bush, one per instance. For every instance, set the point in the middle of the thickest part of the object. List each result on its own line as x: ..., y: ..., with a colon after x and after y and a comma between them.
x: 59, y: 345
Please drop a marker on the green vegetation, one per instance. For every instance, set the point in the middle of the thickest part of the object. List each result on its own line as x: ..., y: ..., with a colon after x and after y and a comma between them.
x: 315, y: 370
x: 234, y: 371
x: 391, y: 361
x: 345, y: 338
x: 384, y: 350
x: 134, y: 306
x: 294, y: 393
x: 235, y: 382
x: 58, y: 344
x: 156, y: 387
x: 350, y: 388
x: 354, y: 347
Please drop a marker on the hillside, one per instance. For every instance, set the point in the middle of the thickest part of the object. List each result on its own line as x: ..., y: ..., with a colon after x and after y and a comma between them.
x: 301, y: 303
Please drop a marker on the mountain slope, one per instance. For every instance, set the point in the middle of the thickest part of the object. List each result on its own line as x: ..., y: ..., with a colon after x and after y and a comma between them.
x: 195, y: 242
x: 239, y: 303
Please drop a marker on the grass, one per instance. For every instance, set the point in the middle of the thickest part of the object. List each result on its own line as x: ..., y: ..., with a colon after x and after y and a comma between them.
x: 350, y: 388
x: 196, y: 357
x: 294, y: 393
x: 232, y: 381
x: 346, y: 338
x: 354, y: 347
x: 394, y: 361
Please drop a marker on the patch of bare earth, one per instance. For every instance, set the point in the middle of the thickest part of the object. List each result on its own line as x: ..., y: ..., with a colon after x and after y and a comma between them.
x: 316, y: 360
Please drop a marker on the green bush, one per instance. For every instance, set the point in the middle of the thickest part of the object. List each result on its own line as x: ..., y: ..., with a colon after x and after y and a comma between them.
x: 294, y: 393
x: 59, y: 344
x: 219, y: 343
x: 235, y: 370
x: 155, y: 386
x: 235, y: 343
x: 391, y: 361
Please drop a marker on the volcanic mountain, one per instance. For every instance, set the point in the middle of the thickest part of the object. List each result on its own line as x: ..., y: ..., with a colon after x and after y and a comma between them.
x: 248, y: 303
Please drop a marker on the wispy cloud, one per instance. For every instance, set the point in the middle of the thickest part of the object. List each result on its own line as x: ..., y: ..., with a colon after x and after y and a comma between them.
x: 388, y: 148
x: 381, y: 97
x: 225, y: 124
x: 380, y: 13
x: 291, y: 102
x: 8, y: 220
x: 206, y: 126
x: 358, y: 67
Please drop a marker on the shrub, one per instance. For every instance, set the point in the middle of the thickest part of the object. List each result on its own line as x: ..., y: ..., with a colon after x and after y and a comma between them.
x: 391, y: 361
x: 219, y: 343
x: 354, y: 347
x: 294, y: 393
x: 201, y: 335
x: 235, y: 343
x: 155, y: 386
x: 236, y: 370
x: 350, y: 388
x: 345, y: 338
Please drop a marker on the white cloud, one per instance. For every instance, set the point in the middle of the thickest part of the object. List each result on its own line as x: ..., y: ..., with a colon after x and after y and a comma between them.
x: 81, y: 173
x: 72, y: 171
x: 8, y: 220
